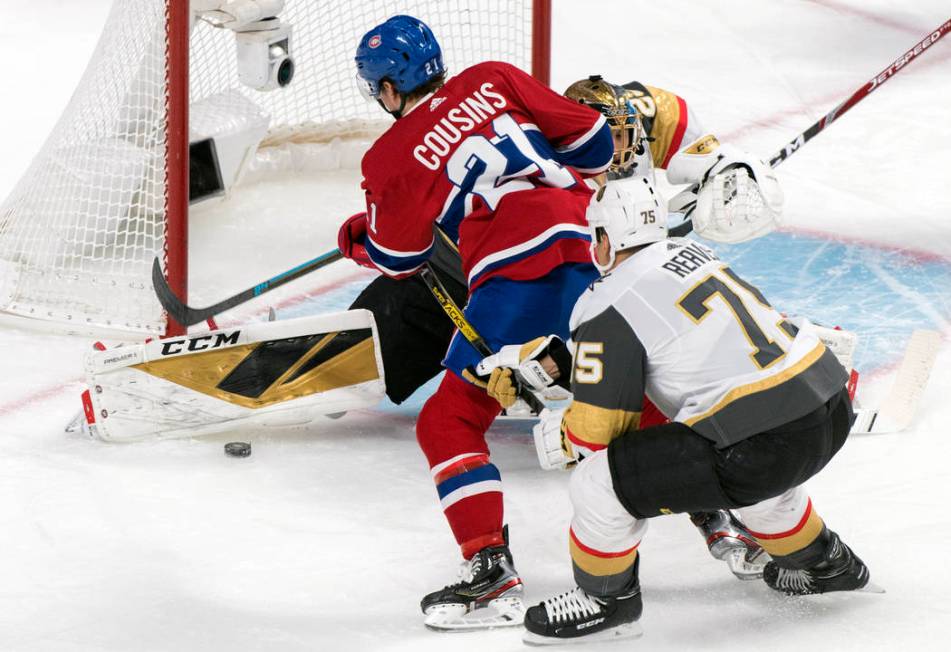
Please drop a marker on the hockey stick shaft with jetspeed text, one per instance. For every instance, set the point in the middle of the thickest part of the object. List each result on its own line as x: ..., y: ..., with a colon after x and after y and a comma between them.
x: 438, y: 289
x: 860, y: 94
x: 188, y: 316
x: 804, y: 137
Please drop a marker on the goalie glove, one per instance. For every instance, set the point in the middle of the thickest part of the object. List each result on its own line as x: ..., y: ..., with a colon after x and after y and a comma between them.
x: 553, y: 448
x: 517, y: 365
x: 739, y: 197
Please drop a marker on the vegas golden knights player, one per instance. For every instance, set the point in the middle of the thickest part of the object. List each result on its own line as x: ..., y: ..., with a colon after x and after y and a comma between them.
x: 759, y: 406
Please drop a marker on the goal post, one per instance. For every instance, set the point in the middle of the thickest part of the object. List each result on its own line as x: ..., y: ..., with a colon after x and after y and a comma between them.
x: 541, y: 41
x: 175, y: 247
x: 162, y: 121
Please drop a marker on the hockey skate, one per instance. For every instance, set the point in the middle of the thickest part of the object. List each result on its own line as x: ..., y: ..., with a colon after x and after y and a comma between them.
x: 577, y: 617
x: 489, y: 595
x: 840, y: 570
x: 728, y: 540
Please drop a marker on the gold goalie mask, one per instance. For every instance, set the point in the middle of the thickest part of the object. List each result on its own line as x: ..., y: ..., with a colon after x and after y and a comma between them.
x: 614, y: 102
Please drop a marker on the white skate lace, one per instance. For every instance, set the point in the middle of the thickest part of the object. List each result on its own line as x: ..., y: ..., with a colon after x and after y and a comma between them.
x: 572, y: 605
x: 469, y: 569
x: 794, y: 580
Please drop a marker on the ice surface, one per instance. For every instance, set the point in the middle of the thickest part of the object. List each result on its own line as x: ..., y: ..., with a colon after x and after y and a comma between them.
x: 325, y: 539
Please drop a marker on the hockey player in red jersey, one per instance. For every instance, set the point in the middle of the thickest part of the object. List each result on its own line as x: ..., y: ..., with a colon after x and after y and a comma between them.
x: 495, y: 162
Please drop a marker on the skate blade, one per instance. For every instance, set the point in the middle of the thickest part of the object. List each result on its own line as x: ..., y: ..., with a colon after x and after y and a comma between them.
x: 501, y: 612
x: 619, y: 633
x: 744, y: 569
x: 871, y: 587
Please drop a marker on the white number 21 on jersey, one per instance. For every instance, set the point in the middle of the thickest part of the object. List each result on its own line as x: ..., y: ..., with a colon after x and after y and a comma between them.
x: 478, y: 166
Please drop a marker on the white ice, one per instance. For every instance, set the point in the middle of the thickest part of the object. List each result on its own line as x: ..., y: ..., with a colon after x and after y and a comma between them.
x: 325, y: 539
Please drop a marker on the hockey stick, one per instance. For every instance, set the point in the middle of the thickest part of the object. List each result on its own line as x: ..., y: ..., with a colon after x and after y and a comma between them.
x: 804, y: 137
x: 188, y: 316
x: 901, y: 404
x: 438, y: 289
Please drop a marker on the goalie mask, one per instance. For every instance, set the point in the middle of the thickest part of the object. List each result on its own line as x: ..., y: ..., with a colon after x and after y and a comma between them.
x: 630, y: 213
x: 614, y: 102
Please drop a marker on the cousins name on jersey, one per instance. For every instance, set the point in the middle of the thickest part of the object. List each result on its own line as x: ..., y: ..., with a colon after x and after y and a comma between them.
x: 465, y: 116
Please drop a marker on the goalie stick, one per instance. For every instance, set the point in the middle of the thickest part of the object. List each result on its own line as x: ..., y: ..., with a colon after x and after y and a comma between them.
x: 900, y: 406
x: 188, y: 316
x: 804, y: 137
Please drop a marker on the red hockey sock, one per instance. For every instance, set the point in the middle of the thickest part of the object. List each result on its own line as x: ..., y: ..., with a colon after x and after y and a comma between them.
x: 451, y: 432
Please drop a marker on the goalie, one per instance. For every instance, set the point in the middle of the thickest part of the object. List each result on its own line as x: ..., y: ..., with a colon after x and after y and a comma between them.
x: 734, y: 195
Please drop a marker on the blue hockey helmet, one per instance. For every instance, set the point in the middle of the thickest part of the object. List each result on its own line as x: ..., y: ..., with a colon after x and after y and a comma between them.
x: 402, y: 50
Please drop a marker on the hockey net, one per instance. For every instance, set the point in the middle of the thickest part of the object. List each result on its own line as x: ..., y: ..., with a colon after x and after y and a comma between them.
x: 79, y: 232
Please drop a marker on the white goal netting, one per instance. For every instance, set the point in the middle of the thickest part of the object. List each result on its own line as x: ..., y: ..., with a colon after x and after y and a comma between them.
x: 79, y: 232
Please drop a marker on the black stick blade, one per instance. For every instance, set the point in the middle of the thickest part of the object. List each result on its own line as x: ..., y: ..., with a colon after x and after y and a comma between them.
x: 172, y: 304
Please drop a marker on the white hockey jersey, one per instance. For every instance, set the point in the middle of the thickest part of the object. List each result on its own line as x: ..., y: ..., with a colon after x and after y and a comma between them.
x: 675, y: 322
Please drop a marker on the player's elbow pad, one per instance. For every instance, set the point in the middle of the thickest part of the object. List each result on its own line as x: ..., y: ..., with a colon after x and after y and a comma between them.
x: 591, y: 154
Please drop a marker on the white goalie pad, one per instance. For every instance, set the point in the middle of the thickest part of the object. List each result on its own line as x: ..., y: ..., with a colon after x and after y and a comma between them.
x: 840, y: 342
x: 283, y: 373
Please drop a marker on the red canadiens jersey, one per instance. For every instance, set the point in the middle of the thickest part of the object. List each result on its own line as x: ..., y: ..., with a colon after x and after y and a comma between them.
x: 496, y: 159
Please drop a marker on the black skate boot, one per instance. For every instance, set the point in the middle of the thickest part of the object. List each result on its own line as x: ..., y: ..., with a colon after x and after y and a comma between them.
x: 839, y: 570
x: 577, y: 617
x: 728, y: 540
x: 489, y: 595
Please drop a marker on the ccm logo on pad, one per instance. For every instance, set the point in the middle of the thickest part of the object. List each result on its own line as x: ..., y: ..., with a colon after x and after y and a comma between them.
x: 200, y: 343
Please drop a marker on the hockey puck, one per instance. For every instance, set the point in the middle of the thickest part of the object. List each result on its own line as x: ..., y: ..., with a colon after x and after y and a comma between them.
x: 237, y: 449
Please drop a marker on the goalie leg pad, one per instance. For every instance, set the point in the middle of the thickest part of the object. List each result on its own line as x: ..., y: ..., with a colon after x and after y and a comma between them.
x: 263, y: 374
x: 414, y: 331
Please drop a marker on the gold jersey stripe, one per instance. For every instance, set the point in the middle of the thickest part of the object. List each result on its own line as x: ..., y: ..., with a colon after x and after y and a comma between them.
x: 598, y: 425
x: 597, y: 565
x: 762, y: 384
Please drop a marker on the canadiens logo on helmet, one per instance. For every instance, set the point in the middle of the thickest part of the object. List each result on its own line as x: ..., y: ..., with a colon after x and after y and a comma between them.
x: 374, y: 41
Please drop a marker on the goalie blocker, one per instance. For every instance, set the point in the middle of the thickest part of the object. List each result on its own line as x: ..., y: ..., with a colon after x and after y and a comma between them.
x: 269, y: 374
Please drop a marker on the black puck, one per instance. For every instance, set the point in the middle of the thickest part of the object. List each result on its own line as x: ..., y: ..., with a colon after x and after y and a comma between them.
x: 238, y: 449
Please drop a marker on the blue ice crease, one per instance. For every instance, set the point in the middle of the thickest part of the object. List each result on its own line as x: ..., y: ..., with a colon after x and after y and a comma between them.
x: 881, y: 294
